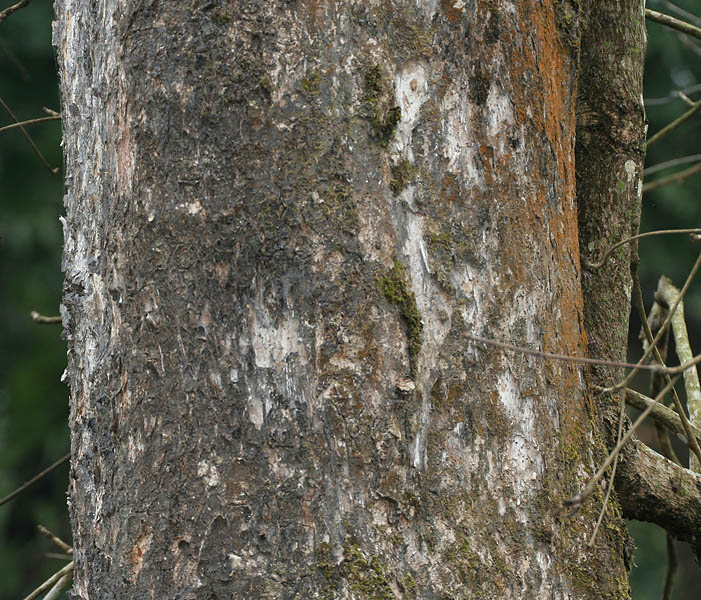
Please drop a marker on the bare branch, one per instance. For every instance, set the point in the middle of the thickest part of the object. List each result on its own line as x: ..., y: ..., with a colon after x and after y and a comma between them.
x: 56, y: 540
x: 663, y: 314
x: 563, y: 357
x: 673, y: 125
x: 50, y: 582
x: 30, y: 122
x: 674, y: 23
x: 658, y: 336
x: 590, y: 266
x: 683, y: 13
x: 652, y: 488
x: 671, y: 568
x: 34, y: 479
x: 11, y: 9
x: 663, y: 415
x: 668, y: 293
x: 672, y: 96
x: 53, y: 170
x: 675, y: 162
x: 37, y: 318
x: 59, y: 586
x: 675, y: 178
x: 589, y: 488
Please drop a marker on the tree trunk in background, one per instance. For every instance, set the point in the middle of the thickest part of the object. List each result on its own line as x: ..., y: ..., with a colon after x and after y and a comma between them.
x: 610, y: 153
x: 283, y: 218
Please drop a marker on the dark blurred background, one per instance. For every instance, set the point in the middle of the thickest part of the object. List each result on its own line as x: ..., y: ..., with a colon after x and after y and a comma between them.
x: 33, y: 402
x: 673, y: 63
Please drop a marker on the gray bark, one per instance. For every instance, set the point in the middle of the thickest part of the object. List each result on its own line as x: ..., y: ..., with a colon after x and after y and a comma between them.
x: 282, y: 219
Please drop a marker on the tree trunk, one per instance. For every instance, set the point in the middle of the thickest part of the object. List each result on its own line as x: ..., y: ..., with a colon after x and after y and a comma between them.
x: 284, y: 220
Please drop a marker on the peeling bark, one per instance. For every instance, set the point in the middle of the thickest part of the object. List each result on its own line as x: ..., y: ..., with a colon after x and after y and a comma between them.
x: 281, y: 219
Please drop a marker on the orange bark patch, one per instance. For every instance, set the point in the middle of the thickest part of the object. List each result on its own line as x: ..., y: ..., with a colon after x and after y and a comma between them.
x: 452, y: 14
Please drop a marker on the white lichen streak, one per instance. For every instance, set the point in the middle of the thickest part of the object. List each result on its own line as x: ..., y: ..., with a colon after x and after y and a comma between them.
x: 523, y: 461
x: 458, y: 138
x: 500, y: 115
x: 412, y: 91
x: 631, y: 168
x: 272, y: 344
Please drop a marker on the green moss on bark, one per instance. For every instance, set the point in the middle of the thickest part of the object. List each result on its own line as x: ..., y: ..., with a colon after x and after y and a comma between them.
x: 395, y: 289
x: 378, y: 101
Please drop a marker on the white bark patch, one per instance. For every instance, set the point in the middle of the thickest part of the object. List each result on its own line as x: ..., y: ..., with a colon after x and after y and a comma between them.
x: 430, y: 304
x: 272, y: 344
x: 255, y: 411
x: 208, y: 472
x: 522, y: 459
x: 411, y: 92
x: 429, y: 8
x: 500, y: 111
x: 458, y: 139
x: 193, y: 208
x: 135, y: 446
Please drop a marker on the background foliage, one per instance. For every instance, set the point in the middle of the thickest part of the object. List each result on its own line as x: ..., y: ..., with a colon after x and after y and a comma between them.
x: 33, y: 402
x: 673, y: 62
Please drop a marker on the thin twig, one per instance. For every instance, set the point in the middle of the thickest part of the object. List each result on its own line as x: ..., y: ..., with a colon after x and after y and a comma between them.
x: 30, y: 122
x: 652, y: 343
x: 658, y: 336
x: 609, y: 487
x: 57, y: 556
x: 675, y: 162
x: 34, y: 479
x: 50, y: 582
x: 688, y: 101
x: 674, y: 23
x: 11, y: 9
x: 664, y: 416
x: 56, y: 540
x: 29, y: 139
x: 668, y: 293
x: 673, y: 125
x: 586, y: 492
x: 41, y: 319
x: 590, y: 266
x: 674, y: 178
x: 672, y: 96
x: 59, y: 586
x: 671, y: 568
x: 563, y: 357
x: 589, y: 361
x: 683, y: 13
x: 650, y: 323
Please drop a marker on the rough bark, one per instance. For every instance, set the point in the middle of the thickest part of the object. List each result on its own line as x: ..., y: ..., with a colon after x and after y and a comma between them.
x: 282, y: 219
x: 610, y: 153
x: 655, y: 489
